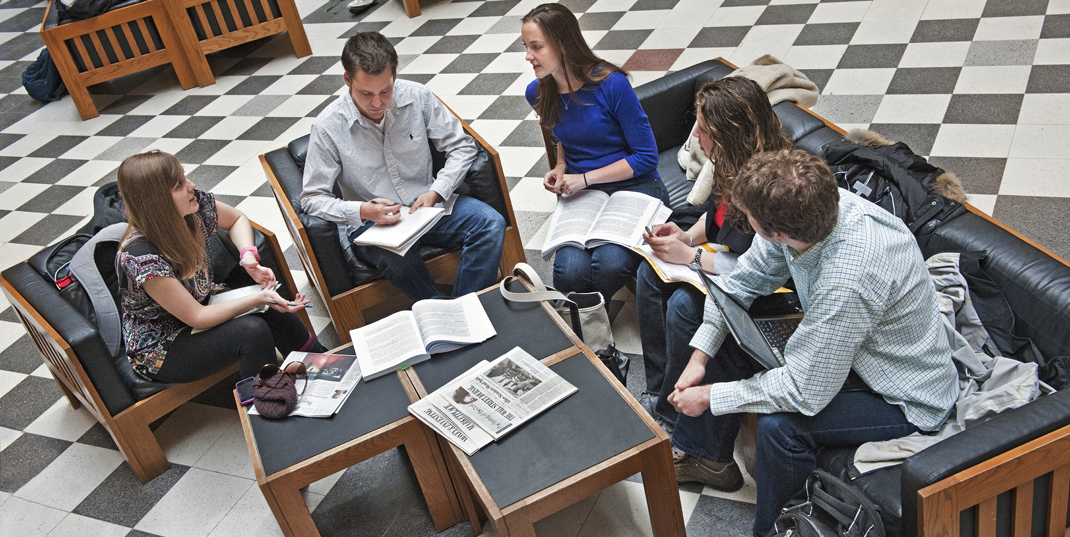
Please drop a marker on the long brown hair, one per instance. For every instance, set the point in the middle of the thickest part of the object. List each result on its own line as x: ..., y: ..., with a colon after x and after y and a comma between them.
x: 562, y: 32
x: 741, y: 123
x: 145, y: 183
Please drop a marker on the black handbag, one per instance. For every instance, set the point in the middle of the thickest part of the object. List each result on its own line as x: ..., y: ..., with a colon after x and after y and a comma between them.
x: 830, y: 508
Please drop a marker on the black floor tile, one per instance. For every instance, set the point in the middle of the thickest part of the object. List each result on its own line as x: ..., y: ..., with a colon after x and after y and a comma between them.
x: 721, y: 517
x: 356, y: 508
x: 26, y: 19
x: 127, y: 124
x: 604, y: 20
x: 21, y: 356
x: 422, y: 78
x: 1031, y: 216
x: 737, y: 3
x: 452, y: 44
x: 1056, y: 27
x: 507, y: 107
x: 818, y: 76
x: 26, y: 457
x: 323, y: 85
x: 622, y: 39
x: 435, y: 27
x: 193, y: 127
x: 48, y: 229
x: 838, y: 33
x: 8, y: 314
x: 253, y: 85
x: 199, y: 151
x: 8, y: 139
x: 58, y: 146
x: 494, y: 9
x: 1049, y: 79
x: 786, y: 14
x: 938, y: 31
x: 919, y: 137
x: 246, y: 67
x: 24, y: 403
x: 98, y: 436
x: 206, y: 177
x: 364, y: 27
x: 126, y: 104
x: 268, y: 128
x: 122, y: 499
x: 52, y: 172
x: 470, y: 63
x: 21, y: 45
x: 650, y: 5
x: 984, y: 109
x: 527, y: 134
x: 489, y: 84
x: 978, y: 175
x: 315, y: 65
x: 578, y: 6
x: 52, y: 197
x: 1014, y: 8
x: 189, y: 105
x: 924, y: 80
x: 721, y: 36
x: 871, y: 56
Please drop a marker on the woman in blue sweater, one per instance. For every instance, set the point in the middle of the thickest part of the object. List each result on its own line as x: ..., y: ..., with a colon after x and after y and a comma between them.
x: 604, y: 140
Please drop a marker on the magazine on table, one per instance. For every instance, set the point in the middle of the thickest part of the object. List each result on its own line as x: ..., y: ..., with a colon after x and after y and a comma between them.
x: 671, y: 272
x: 591, y: 218
x: 331, y: 378
x: 492, y: 399
x: 412, y: 336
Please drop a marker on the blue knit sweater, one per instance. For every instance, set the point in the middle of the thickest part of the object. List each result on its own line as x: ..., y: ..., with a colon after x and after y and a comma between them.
x: 608, y: 126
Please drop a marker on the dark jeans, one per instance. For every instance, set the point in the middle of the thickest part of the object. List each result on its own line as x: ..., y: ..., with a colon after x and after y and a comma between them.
x: 787, y: 442
x: 250, y: 340
x: 474, y: 228
x: 669, y: 315
x: 605, y: 268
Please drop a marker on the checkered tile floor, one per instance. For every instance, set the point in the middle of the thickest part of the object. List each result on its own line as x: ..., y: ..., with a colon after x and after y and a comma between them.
x: 981, y: 87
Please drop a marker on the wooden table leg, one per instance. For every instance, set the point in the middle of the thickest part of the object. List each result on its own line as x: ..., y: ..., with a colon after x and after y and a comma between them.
x: 440, y: 496
x: 662, y: 493
x: 517, y: 524
x: 289, y: 508
x: 412, y: 8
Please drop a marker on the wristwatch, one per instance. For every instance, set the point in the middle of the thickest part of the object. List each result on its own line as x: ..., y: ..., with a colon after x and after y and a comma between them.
x: 697, y: 263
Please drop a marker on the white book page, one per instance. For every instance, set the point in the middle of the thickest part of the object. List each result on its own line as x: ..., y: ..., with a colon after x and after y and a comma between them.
x: 387, y: 343
x: 408, y: 226
x: 461, y: 320
x: 625, y: 218
x: 573, y: 218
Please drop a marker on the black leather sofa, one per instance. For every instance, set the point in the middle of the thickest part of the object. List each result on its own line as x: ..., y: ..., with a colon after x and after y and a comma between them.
x: 1036, y: 286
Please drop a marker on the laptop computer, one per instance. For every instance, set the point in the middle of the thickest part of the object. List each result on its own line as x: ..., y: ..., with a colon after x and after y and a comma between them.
x: 762, y: 338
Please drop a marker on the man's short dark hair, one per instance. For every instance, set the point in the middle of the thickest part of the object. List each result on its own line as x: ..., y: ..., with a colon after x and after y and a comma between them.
x: 369, y: 52
x: 790, y: 192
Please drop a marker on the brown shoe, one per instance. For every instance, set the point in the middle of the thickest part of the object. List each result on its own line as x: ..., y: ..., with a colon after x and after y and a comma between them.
x: 723, y: 476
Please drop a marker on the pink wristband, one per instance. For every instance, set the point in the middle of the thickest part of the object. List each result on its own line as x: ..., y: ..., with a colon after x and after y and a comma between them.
x: 241, y: 254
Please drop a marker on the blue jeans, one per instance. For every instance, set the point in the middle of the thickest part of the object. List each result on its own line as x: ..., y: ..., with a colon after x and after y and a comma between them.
x: 669, y: 315
x: 474, y: 227
x: 787, y: 442
x: 608, y: 267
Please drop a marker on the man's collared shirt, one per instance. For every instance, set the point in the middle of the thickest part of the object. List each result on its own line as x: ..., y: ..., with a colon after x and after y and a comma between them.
x: 347, y: 148
x: 870, y: 305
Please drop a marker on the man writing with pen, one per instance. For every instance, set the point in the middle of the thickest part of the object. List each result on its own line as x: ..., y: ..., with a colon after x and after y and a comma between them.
x: 373, y: 142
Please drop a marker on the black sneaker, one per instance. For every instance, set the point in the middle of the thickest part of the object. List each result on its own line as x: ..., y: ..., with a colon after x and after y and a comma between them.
x: 723, y: 476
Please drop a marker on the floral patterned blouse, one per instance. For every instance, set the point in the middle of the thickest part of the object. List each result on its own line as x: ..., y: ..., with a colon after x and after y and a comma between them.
x: 148, y: 329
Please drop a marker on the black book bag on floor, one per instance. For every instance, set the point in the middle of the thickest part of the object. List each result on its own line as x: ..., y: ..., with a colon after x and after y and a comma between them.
x: 831, y: 508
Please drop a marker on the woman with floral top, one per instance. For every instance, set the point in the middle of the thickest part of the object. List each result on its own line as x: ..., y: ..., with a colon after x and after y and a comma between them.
x: 166, y: 262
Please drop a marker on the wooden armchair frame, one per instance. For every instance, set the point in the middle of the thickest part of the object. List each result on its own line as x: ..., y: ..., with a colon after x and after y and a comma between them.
x: 346, y: 309
x: 233, y: 29
x: 110, y: 31
x: 130, y: 427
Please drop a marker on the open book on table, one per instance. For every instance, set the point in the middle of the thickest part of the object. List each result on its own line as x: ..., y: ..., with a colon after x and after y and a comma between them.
x: 671, y: 272
x: 491, y: 400
x: 591, y: 218
x: 331, y: 378
x: 412, y: 336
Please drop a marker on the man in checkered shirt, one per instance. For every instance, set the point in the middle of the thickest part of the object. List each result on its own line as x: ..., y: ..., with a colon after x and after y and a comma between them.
x: 870, y: 308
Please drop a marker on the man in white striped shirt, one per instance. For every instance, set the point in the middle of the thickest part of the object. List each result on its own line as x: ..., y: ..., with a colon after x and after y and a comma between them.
x: 870, y: 308
x: 373, y: 142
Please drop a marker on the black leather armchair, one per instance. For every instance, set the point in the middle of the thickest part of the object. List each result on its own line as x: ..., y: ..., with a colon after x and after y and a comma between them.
x: 347, y: 285
x: 87, y: 373
x: 1037, y: 287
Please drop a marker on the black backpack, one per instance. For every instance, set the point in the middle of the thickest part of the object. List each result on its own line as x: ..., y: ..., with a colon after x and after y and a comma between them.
x: 42, y: 81
x: 830, y: 508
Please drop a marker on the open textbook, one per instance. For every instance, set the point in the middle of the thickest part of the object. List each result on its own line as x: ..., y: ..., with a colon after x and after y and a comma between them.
x: 671, y: 272
x: 491, y: 400
x: 591, y: 218
x: 400, y: 237
x: 412, y: 336
x: 331, y: 378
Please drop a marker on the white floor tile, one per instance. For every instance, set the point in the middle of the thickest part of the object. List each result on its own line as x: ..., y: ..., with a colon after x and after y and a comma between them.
x: 881, y: 32
x: 80, y: 205
x: 26, y: 145
x: 157, y: 126
x: 80, y: 526
x: 626, y: 330
x: 251, y: 516
x: 63, y: 422
x: 265, y: 211
x: 299, y: 105
x: 192, y: 430
x: 736, y: 16
x: 1045, y: 109
x: 641, y: 20
x: 568, y: 521
x: 469, y: 106
x: 529, y: 195
x: 953, y: 9
x: 242, y: 181
x: 42, y: 371
x: 27, y: 519
x: 690, y: 13
x: 693, y: 56
x: 516, y: 161
x: 11, y: 253
x: 224, y: 105
x: 14, y: 223
x: 973, y: 141
x: 1009, y: 28
x: 663, y: 37
x: 240, y: 152
x: 1035, y: 177
x: 610, y: 5
x: 3, y: 495
x: 994, y: 79
x: 23, y: 168
x: 447, y: 84
x: 7, y: 436
x: 229, y: 455
x: 912, y: 109
x: 619, y: 510
x: 1040, y: 141
x: 1052, y: 52
x: 495, y: 131
x: 168, y: 145
x: 1058, y: 7
x: 767, y: 39
x: 839, y: 12
x: 65, y: 482
x: 229, y: 128
x: 487, y: 43
x: 478, y: 26
x: 514, y: 62
x: 814, y: 56
x: 195, y: 505
x: 895, y: 10
x: 416, y: 44
x: 428, y: 63
x: 952, y: 54
x: 859, y: 81
x: 985, y: 202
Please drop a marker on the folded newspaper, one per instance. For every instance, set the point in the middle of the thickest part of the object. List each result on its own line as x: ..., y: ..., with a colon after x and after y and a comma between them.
x: 331, y: 378
x: 491, y: 400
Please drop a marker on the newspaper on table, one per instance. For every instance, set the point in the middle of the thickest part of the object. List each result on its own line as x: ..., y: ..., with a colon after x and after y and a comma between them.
x: 331, y: 378
x: 492, y: 399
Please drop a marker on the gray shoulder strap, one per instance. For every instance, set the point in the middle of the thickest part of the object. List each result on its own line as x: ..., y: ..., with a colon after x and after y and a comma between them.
x: 86, y: 272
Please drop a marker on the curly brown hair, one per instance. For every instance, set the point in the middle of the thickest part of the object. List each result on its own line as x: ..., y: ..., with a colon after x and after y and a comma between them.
x: 790, y: 192
x: 562, y: 32
x: 736, y: 115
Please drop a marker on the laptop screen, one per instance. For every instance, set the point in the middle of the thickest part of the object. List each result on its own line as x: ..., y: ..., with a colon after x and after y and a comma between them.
x: 741, y: 325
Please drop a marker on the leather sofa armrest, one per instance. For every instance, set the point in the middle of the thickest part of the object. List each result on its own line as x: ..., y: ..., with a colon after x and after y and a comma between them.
x: 669, y: 101
x: 76, y: 330
x: 976, y: 445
